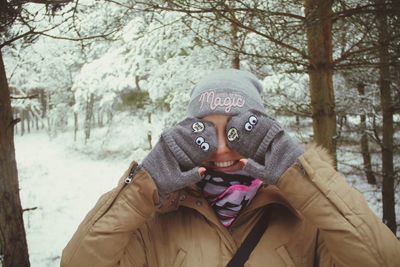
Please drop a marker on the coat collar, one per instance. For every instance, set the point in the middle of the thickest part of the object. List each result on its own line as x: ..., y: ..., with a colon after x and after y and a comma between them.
x: 270, y: 194
x: 192, y: 197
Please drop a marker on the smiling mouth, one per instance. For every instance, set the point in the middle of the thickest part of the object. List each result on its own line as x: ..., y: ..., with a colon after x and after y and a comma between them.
x: 224, y: 164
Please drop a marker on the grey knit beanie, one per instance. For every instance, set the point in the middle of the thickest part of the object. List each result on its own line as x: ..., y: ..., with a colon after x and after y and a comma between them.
x: 227, y: 92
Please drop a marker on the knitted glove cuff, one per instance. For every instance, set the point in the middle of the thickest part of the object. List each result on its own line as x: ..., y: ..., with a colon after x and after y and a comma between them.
x: 263, y: 147
x: 178, y: 153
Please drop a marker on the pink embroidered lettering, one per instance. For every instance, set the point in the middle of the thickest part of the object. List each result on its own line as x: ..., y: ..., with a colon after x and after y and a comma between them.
x: 228, y: 101
x: 207, y: 97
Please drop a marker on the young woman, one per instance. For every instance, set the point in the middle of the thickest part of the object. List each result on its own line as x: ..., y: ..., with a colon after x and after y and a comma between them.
x: 210, y: 179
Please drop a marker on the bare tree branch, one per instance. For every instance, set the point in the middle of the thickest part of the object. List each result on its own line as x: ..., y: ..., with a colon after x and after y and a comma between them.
x: 24, y: 97
x: 29, y: 209
x: 362, y: 10
x: 91, y: 37
x: 25, y: 34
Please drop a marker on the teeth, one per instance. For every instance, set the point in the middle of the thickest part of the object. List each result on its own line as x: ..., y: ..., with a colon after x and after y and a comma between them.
x: 224, y: 163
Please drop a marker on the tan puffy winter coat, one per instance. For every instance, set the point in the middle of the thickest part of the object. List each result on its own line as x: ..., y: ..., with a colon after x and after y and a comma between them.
x: 327, y: 223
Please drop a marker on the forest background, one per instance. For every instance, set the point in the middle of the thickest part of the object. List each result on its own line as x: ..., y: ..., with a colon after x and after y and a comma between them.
x: 87, y: 86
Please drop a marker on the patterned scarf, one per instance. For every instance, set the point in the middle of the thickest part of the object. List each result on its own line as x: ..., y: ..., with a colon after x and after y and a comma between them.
x: 228, y: 193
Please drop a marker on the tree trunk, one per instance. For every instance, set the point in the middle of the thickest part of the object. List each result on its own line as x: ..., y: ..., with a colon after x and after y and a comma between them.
x: 235, y: 63
x: 93, y: 120
x: 37, y: 123
x: 75, y: 125
x: 49, y: 107
x: 100, y: 118
x: 109, y: 117
x: 15, y: 116
x: 48, y: 125
x: 149, y: 132
x: 137, y: 80
x: 13, y: 246
x: 22, y: 122
x: 364, y: 141
x: 388, y: 201
x: 297, y: 120
x: 89, y: 116
x: 28, y: 120
x: 43, y: 103
x: 319, y: 40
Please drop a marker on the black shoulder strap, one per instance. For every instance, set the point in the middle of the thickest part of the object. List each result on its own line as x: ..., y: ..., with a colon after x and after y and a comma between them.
x: 251, y: 241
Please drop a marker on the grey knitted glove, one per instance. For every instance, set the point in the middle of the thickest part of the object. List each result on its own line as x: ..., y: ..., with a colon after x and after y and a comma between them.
x: 269, y: 149
x: 173, y: 162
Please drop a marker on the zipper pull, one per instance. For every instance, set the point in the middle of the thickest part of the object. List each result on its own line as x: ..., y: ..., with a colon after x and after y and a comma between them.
x: 132, y: 173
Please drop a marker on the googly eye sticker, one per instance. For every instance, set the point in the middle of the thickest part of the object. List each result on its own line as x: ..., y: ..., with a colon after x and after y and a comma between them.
x: 199, y: 140
x: 251, y: 122
x: 198, y: 127
x: 205, y: 146
x: 248, y: 127
x: 202, y: 143
x: 232, y: 135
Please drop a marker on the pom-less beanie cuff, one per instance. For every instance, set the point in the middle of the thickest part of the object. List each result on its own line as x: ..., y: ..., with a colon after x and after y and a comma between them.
x: 260, y: 153
x: 179, y: 154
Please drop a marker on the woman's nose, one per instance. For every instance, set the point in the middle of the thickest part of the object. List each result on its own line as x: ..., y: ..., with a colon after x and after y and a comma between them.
x: 222, y: 146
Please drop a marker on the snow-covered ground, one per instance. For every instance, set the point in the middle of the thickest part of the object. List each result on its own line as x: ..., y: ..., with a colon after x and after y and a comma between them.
x: 61, y: 180
x: 62, y: 184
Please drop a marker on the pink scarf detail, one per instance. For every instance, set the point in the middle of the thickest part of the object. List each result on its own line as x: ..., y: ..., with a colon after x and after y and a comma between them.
x: 228, y: 194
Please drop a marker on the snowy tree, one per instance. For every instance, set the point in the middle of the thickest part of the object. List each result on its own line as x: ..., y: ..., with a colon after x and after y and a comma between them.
x: 23, y: 22
x: 13, y: 248
x: 158, y: 55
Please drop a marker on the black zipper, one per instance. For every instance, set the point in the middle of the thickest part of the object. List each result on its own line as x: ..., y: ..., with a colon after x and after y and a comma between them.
x: 132, y: 173
x: 127, y: 181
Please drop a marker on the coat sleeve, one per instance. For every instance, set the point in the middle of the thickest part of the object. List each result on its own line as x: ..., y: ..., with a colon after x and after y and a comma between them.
x: 102, y: 237
x: 350, y: 234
